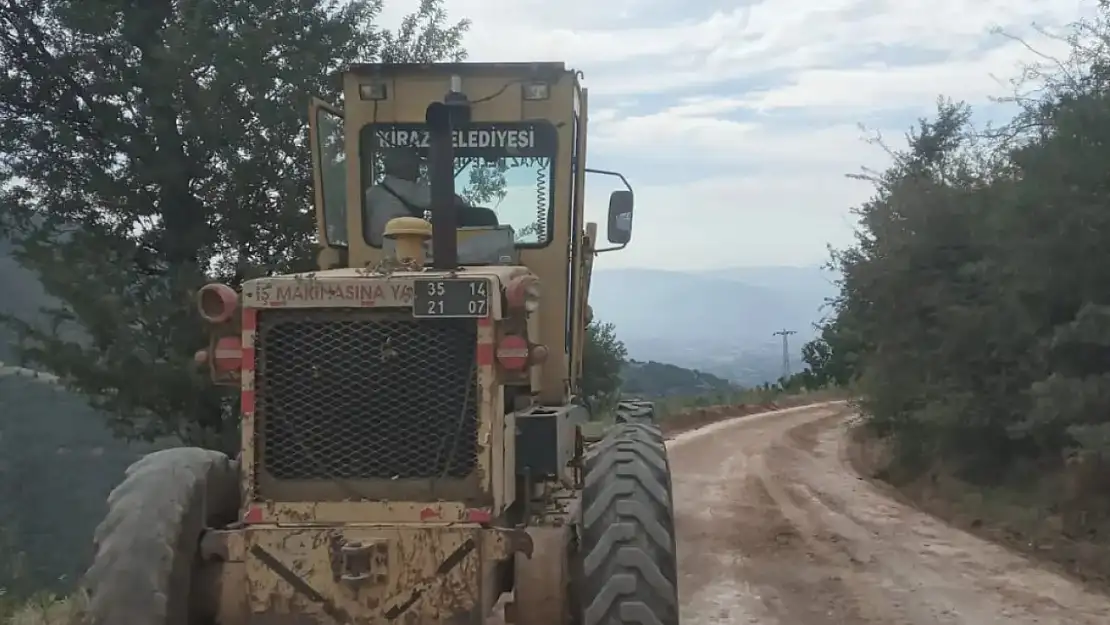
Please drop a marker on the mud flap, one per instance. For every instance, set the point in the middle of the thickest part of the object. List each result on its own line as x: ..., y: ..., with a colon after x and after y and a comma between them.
x: 409, y: 575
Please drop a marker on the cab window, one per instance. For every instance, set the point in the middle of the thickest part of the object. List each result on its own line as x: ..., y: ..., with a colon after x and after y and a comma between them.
x: 504, y: 167
x: 333, y: 174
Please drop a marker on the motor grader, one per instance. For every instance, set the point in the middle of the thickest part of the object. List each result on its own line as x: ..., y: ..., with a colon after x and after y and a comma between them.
x: 411, y: 414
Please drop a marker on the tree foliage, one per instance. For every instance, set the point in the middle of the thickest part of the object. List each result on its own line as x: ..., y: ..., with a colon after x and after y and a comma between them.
x: 602, y: 360
x: 831, y: 357
x: 146, y: 148
x: 974, y: 312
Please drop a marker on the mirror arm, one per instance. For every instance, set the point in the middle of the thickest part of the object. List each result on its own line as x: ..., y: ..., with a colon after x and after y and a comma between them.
x: 610, y: 173
x: 611, y: 249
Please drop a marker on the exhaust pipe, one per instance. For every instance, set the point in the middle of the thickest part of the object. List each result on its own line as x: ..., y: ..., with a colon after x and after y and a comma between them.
x: 442, y: 118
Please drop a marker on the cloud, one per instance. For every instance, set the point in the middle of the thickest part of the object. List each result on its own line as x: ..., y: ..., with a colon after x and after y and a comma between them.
x: 747, y: 117
x: 686, y: 135
x: 977, y: 76
x: 735, y: 220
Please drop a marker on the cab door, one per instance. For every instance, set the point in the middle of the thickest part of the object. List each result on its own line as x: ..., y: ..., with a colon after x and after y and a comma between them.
x: 326, y: 134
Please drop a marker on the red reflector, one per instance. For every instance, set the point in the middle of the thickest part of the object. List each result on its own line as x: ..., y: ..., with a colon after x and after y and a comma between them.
x: 512, y: 352
x: 477, y: 515
x: 253, y: 515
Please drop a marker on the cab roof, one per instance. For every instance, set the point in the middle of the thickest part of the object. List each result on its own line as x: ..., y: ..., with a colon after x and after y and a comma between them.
x: 535, y: 70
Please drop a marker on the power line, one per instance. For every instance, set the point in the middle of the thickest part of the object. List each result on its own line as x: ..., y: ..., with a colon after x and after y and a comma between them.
x: 785, y: 334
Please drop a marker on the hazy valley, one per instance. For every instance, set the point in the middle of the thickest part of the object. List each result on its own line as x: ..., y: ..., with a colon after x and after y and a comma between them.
x: 720, y: 321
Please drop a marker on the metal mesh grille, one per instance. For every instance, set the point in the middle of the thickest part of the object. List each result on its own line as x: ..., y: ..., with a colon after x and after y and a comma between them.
x: 358, y: 394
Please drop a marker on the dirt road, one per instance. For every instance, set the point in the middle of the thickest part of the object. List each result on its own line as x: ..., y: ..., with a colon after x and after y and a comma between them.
x: 774, y: 528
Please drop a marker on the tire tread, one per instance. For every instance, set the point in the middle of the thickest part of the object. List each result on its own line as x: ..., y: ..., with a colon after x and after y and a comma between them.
x: 159, y: 509
x: 629, y: 560
x: 635, y: 411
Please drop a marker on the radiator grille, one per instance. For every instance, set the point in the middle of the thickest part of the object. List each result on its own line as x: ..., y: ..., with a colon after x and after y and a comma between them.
x: 361, y: 394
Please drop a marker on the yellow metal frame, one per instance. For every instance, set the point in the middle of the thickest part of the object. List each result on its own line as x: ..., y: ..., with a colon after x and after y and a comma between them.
x: 327, y: 559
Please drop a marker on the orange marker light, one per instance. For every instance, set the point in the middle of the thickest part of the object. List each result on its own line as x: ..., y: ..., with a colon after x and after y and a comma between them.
x: 523, y: 293
x: 217, y: 302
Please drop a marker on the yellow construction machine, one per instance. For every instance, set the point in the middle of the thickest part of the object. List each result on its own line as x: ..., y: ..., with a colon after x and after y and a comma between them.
x: 411, y: 417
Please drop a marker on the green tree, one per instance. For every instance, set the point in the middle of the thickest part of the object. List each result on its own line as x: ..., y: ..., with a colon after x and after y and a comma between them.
x: 973, y: 309
x: 818, y: 355
x: 831, y: 357
x: 146, y: 148
x: 602, y: 360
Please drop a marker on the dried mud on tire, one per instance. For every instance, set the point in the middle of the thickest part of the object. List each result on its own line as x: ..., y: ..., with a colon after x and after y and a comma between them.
x: 141, y: 572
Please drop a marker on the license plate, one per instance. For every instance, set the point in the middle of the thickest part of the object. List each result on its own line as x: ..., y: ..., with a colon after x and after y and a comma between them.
x: 451, y: 297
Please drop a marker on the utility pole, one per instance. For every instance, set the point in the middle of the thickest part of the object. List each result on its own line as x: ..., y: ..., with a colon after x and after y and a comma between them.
x: 784, y: 333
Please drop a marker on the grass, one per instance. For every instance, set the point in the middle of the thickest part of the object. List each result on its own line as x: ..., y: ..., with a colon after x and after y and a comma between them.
x: 39, y: 610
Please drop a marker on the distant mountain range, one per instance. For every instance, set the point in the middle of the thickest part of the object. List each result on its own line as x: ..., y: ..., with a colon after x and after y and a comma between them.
x: 652, y: 380
x: 719, y: 321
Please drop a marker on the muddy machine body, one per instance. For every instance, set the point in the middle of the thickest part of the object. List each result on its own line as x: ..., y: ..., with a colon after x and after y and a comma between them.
x: 412, y: 449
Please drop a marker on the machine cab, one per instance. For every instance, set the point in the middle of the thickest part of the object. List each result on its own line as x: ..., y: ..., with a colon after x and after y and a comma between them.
x: 519, y: 167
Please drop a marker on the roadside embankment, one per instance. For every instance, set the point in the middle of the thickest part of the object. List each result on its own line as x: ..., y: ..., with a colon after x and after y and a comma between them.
x: 696, y: 417
x: 1055, y: 512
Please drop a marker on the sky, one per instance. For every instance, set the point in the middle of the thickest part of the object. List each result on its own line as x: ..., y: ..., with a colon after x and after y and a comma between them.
x: 737, y: 121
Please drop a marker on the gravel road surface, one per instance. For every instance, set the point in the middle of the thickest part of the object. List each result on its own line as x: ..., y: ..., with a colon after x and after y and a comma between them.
x: 775, y: 528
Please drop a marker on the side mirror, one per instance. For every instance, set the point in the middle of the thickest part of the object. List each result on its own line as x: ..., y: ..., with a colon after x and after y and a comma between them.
x: 620, y: 217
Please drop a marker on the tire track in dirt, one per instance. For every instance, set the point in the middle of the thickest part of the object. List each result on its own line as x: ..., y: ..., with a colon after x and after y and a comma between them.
x: 774, y: 528
x: 732, y: 505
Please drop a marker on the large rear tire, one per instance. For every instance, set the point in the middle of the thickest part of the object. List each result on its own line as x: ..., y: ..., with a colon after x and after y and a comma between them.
x: 627, y: 564
x: 146, y: 549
